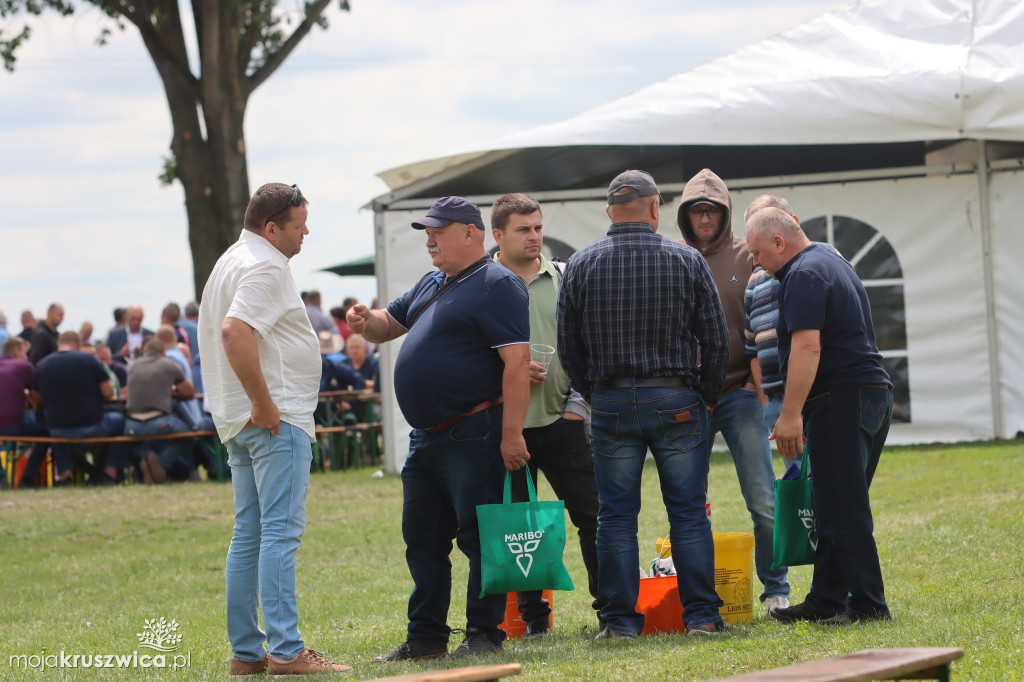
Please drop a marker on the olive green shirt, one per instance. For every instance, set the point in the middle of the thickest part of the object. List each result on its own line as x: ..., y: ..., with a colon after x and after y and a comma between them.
x: 547, y: 400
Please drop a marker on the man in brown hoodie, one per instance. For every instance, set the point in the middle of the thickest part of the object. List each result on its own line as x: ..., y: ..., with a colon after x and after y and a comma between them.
x: 705, y: 220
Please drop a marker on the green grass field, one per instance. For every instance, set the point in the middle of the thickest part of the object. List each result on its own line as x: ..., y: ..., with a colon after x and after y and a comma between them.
x: 85, y: 568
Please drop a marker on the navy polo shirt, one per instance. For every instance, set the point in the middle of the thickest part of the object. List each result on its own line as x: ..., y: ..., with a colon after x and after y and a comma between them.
x: 820, y: 290
x: 449, y: 361
x: 69, y: 381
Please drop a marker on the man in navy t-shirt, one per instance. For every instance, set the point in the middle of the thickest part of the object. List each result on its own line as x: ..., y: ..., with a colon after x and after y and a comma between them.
x: 838, y: 401
x: 74, y: 385
x: 462, y: 382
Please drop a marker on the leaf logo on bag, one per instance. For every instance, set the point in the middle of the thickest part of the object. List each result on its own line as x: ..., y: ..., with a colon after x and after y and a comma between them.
x: 524, y: 550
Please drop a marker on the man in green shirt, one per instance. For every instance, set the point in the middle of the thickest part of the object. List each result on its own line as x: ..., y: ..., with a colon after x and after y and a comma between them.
x: 555, y: 421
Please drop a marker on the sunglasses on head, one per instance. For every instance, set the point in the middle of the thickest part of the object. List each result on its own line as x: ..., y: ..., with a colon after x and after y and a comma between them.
x: 296, y: 201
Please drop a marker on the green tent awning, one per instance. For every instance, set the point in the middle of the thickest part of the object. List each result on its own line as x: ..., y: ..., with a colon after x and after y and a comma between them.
x: 359, y: 266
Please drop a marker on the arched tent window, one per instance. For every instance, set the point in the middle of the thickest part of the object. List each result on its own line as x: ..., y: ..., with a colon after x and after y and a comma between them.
x: 879, y: 269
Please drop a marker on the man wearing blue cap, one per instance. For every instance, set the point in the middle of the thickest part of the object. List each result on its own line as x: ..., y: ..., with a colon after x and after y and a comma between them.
x: 462, y: 383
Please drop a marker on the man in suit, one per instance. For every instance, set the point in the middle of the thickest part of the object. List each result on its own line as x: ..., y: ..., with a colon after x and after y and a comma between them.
x: 125, y: 341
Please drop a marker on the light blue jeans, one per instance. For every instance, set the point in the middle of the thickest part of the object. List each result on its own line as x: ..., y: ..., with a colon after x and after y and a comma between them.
x: 673, y: 423
x: 270, y: 475
x: 741, y: 421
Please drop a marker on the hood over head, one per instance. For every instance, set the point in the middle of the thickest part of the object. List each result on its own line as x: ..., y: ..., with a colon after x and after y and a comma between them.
x: 705, y: 186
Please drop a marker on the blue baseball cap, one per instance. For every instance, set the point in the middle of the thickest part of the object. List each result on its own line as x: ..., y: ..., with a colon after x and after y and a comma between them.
x: 448, y: 210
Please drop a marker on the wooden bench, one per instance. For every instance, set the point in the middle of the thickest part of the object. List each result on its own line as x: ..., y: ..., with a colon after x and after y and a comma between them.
x: 476, y: 673
x: 923, y: 663
x: 221, y: 474
x: 368, y: 429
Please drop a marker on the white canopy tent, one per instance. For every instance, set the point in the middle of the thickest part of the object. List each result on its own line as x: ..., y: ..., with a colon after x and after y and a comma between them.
x: 895, y: 128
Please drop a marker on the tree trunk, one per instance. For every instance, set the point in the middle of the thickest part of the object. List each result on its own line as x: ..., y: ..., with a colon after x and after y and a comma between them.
x: 208, y: 112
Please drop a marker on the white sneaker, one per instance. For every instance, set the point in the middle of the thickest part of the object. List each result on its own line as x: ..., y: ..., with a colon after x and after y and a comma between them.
x: 772, y: 603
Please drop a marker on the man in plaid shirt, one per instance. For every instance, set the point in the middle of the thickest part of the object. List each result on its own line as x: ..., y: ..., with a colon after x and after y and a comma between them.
x: 633, y: 310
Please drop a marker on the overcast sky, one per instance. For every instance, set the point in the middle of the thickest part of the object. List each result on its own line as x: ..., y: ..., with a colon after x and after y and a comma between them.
x: 84, y: 129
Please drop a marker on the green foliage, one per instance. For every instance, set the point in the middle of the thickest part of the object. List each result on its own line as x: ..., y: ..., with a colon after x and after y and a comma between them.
x: 86, y: 568
x: 261, y: 29
x: 170, y: 171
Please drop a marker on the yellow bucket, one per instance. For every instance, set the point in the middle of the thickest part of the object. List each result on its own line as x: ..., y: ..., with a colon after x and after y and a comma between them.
x: 734, y: 573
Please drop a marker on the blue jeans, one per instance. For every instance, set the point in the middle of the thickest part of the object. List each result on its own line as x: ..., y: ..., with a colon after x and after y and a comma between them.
x: 30, y: 427
x: 445, y: 477
x: 771, y: 411
x: 112, y: 424
x: 269, y: 475
x: 175, y: 453
x: 741, y: 421
x: 846, y: 429
x: 673, y: 423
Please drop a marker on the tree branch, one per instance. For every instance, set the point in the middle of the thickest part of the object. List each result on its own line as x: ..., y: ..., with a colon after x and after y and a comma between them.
x: 140, y: 14
x: 313, y: 12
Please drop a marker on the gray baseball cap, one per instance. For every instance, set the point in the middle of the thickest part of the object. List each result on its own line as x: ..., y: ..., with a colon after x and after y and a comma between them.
x: 639, y: 180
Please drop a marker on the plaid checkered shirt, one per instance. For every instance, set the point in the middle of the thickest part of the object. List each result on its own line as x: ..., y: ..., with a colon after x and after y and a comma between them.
x: 637, y: 304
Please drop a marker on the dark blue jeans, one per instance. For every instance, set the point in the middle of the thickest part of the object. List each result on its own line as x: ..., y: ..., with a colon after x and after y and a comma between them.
x: 846, y: 429
x: 445, y: 477
x: 674, y: 424
x: 112, y: 424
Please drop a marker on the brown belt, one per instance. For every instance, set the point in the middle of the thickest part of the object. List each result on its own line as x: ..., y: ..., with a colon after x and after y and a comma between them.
x: 452, y: 421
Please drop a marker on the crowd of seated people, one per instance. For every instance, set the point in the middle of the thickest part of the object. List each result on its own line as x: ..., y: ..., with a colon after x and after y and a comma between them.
x: 139, y: 382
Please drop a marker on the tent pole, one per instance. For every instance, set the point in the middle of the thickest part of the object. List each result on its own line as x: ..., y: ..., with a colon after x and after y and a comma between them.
x: 994, y: 364
x: 393, y: 442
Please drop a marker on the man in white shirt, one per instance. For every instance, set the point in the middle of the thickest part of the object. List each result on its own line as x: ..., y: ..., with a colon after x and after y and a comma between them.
x: 261, y: 370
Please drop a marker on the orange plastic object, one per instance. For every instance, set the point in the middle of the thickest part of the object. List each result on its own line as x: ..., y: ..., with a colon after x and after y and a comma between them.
x: 514, y: 626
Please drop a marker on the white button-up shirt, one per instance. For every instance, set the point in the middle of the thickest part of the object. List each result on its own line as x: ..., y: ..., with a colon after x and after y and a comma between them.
x: 253, y: 283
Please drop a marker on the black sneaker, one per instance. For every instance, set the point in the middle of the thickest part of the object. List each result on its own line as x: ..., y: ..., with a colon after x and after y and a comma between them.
x: 799, y: 612
x: 851, y: 618
x: 476, y: 642
x: 537, y: 630
x: 415, y: 650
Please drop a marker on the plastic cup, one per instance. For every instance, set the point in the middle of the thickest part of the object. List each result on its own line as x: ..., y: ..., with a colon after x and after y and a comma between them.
x: 542, y: 353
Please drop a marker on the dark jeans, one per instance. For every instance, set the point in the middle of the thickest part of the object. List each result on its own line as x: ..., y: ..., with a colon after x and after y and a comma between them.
x: 445, y: 477
x: 30, y: 427
x: 846, y: 429
x: 562, y: 452
x: 112, y: 424
x: 673, y: 424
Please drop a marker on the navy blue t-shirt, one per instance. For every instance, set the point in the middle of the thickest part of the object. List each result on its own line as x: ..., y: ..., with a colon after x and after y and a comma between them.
x: 70, y: 383
x: 820, y: 290
x: 449, y: 361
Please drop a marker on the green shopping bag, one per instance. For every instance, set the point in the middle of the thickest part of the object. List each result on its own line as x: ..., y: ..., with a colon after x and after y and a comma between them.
x: 521, y: 544
x: 795, y: 537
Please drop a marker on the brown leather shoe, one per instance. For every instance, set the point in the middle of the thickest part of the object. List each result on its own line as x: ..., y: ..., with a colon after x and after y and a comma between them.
x: 152, y: 470
x: 307, y: 662
x: 240, y: 667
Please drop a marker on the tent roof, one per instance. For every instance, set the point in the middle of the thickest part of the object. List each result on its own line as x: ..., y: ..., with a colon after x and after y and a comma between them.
x: 876, y: 72
x: 360, y: 266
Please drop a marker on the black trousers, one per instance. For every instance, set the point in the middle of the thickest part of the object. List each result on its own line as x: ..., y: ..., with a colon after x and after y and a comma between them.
x: 562, y: 452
